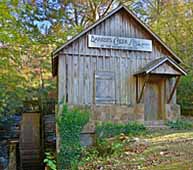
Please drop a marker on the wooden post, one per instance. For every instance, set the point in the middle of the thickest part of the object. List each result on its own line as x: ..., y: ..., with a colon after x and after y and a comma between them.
x: 141, y: 93
x: 12, y: 155
x: 173, y: 89
x: 137, y: 88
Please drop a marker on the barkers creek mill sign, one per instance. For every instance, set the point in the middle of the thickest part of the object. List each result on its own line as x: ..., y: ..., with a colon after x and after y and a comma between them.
x: 112, y: 42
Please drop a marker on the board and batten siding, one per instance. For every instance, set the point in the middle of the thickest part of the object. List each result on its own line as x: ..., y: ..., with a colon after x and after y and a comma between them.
x: 78, y: 63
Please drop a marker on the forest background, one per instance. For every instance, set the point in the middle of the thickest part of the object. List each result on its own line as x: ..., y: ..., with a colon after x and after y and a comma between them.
x: 31, y: 29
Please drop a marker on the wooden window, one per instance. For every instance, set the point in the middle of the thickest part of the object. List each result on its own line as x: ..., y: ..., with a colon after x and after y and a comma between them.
x: 104, y: 87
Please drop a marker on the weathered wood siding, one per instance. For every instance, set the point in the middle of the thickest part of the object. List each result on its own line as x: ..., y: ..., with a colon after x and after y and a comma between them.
x: 155, y: 99
x: 166, y: 68
x: 79, y: 63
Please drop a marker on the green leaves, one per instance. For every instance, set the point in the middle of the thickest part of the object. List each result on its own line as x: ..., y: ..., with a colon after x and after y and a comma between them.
x: 50, y: 161
x: 70, y: 124
x: 109, y: 129
x: 185, y: 92
x: 180, y: 124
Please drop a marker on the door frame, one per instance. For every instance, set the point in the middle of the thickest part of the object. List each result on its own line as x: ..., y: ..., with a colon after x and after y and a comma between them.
x: 159, y: 85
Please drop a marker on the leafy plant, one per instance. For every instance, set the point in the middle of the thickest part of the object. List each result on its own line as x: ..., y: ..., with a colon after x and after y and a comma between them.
x: 180, y: 124
x: 50, y: 161
x: 103, y: 147
x: 70, y: 125
x: 185, y: 95
x: 134, y: 128
x: 109, y: 129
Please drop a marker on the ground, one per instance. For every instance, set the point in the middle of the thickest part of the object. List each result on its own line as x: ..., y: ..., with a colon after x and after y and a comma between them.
x: 159, y: 150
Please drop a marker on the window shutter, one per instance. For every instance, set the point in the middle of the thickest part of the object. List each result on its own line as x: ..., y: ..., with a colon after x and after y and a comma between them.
x: 104, y: 87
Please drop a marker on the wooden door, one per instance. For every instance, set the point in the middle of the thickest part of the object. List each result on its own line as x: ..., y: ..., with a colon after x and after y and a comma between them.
x: 154, y: 99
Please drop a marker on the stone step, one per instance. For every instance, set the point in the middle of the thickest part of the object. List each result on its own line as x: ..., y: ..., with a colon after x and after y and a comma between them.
x: 157, y: 127
x: 156, y: 124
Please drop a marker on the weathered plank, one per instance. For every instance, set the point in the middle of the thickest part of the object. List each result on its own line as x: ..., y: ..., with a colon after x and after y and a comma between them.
x: 30, y: 146
x: 83, y: 62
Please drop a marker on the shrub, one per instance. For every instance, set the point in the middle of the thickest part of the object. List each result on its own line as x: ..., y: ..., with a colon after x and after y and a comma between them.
x: 50, y: 161
x: 134, y: 128
x: 110, y: 129
x: 103, y: 148
x: 180, y: 124
x: 184, y: 92
x: 70, y: 125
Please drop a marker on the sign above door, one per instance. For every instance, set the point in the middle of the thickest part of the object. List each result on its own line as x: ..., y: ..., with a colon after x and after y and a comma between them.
x: 124, y: 43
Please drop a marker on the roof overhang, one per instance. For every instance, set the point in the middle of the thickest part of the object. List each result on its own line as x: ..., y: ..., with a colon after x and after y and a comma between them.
x: 107, y: 16
x: 164, y: 66
x: 55, y: 52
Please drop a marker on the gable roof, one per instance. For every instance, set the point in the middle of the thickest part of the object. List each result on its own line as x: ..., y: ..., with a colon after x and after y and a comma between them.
x: 158, y: 62
x: 121, y: 7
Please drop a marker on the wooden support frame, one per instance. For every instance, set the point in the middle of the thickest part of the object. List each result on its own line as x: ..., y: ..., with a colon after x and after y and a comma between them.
x: 142, y: 90
x: 137, y: 86
x: 173, y: 89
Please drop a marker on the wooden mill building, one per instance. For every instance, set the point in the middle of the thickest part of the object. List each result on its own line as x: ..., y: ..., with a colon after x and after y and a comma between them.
x: 120, y: 69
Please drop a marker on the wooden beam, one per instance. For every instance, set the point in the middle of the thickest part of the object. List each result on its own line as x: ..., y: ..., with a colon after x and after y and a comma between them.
x: 173, y: 89
x: 141, y: 93
x: 136, y: 87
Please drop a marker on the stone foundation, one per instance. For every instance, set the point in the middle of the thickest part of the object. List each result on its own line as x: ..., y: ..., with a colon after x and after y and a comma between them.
x: 88, y: 139
x: 123, y: 114
x: 139, y: 112
x: 173, y: 111
x: 120, y: 114
x: 115, y: 114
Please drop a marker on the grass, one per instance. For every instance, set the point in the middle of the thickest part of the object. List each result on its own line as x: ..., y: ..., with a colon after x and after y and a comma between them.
x: 159, y: 150
x: 173, y: 137
x: 172, y: 151
x: 185, y: 165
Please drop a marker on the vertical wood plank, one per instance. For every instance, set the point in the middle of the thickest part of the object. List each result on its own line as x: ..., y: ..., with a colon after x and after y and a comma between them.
x: 75, y: 80
x: 86, y: 81
x: 82, y: 62
x: 81, y: 80
x: 61, y: 78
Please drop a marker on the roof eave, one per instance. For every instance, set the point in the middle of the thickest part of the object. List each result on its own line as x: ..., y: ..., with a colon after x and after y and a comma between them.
x: 153, y: 34
x: 87, y: 29
x: 148, y: 71
x: 110, y: 14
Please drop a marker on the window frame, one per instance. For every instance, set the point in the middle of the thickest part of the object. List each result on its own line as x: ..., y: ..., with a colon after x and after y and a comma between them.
x: 104, y: 75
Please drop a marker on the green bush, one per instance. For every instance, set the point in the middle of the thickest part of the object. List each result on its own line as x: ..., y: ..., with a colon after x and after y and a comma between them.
x: 50, y: 161
x: 180, y: 124
x: 184, y: 92
x: 134, y: 128
x: 109, y: 129
x: 103, y: 149
x: 70, y: 125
